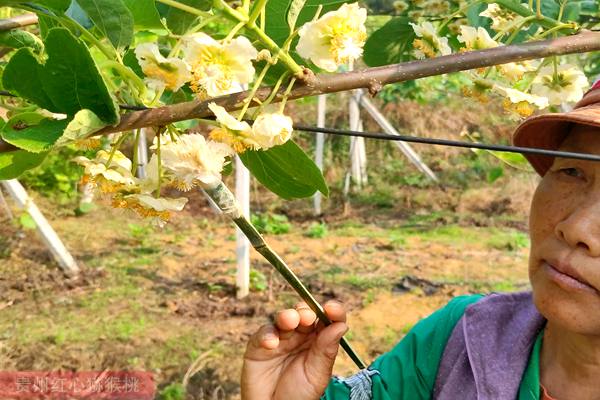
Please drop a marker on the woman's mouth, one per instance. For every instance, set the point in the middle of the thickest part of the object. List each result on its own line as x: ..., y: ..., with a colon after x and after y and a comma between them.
x: 567, y: 278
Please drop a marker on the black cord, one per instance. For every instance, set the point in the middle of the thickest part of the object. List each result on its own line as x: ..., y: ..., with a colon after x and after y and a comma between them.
x: 452, y: 143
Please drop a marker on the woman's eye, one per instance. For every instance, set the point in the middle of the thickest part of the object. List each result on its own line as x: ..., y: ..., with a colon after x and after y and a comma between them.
x: 574, y: 172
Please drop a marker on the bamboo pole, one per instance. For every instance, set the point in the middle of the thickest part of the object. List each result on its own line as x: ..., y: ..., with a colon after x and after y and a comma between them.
x: 372, y: 79
x: 223, y: 197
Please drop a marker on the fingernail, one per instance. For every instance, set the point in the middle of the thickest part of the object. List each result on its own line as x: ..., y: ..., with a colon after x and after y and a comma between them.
x: 267, y: 337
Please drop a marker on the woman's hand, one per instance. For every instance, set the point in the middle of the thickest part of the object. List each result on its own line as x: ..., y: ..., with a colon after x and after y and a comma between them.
x: 293, y: 359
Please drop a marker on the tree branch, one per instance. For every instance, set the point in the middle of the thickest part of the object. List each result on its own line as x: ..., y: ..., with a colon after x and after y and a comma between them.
x: 18, y: 22
x: 372, y: 79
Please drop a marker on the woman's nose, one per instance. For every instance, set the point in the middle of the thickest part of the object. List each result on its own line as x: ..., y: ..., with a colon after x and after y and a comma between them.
x: 581, y: 228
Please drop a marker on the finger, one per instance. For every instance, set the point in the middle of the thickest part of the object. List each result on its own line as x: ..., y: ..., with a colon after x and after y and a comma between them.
x: 287, y: 320
x: 307, y: 318
x: 321, y: 355
x: 335, y: 311
x: 266, y: 337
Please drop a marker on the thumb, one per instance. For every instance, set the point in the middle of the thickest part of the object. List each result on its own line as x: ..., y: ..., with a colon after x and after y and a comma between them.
x: 321, y: 356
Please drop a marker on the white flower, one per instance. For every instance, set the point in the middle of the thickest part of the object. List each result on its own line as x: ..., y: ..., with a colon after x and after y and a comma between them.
x: 520, y: 102
x: 193, y: 161
x: 501, y: 18
x: 147, y: 206
x: 111, y: 178
x: 236, y: 134
x: 161, y: 73
x: 429, y: 43
x: 272, y: 129
x: 476, y: 38
x: 515, y: 70
x: 567, y: 86
x: 334, y: 39
x: 517, y: 96
x: 219, y: 68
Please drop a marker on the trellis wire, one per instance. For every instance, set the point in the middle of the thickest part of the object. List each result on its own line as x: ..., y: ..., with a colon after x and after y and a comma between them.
x: 451, y: 143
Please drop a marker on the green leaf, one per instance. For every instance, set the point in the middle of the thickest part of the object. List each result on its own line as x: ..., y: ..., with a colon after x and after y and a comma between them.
x: 27, y: 222
x: 113, y: 19
x: 294, y: 12
x: 69, y: 81
x: 84, y: 124
x: 32, y: 132
x: 473, y: 17
x: 180, y: 21
x: 494, y: 173
x: 14, y: 163
x: 145, y: 14
x: 22, y: 76
x: 18, y: 38
x: 286, y: 170
x: 78, y: 14
x: 276, y: 12
x: 390, y: 44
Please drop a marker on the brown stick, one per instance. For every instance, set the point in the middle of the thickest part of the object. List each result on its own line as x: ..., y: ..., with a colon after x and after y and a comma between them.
x: 371, y: 78
x: 18, y: 22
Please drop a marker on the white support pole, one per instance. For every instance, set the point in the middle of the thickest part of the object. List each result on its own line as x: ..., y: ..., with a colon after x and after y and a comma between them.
x: 366, y: 103
x: 142, y: 153
x: 242, y: 194
x: 356, y: 143
x: 53, y: 242
x: 320, y: 145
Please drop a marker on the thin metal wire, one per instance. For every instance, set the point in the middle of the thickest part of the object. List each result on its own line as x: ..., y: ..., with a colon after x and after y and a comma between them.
x: 452, y: 143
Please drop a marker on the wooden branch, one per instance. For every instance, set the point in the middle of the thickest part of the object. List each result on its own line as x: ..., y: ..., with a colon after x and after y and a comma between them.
x: 18, y: 22
x: 372, y: 79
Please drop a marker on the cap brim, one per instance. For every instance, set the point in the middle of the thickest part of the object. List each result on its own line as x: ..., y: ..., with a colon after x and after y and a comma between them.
x: 547, y: 131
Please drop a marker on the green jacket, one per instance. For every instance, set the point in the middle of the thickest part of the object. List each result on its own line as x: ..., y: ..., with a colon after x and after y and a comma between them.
x: 409, y: 370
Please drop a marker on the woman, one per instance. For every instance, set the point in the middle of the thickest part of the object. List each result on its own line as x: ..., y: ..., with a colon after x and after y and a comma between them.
x: 543, y: 344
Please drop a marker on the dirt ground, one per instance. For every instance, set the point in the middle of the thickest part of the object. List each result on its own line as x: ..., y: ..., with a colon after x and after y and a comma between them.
x: 157, y: 300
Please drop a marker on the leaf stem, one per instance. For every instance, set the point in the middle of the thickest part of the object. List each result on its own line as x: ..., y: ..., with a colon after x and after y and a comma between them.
x: 126, y: 72
x: 258, y: 9
x: 274, y: 91
x: 286, y: 94
x: 524, y: 11
x: 116, y: 147
x: 255, y: 87
x: 186, y: 8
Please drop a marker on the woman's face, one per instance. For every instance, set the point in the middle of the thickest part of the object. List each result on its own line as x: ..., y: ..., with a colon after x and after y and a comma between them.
x: 564, y: 264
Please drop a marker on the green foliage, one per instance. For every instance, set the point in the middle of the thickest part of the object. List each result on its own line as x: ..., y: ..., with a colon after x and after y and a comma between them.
x: 174, y: 391
x: 18, y: 38
x: 317, y: 230
x: 69, y: 80
x: 273, y: 224
x: 14, y: 163
x: 32, y: 132
x: 258, y: 281
x: 112, y: 18
x: 390, y: 44
x: 26, y: 222
x: 144, y: 12
x: 180, y: 21
x: 286, y: 171
x: 57, y: 177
